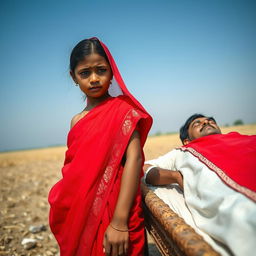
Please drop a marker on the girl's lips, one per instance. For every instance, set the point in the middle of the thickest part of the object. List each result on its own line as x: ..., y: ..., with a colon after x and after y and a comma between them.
x: 95, y: 88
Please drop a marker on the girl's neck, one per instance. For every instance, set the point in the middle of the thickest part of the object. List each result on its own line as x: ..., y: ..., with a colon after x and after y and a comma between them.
x: 94, y: 102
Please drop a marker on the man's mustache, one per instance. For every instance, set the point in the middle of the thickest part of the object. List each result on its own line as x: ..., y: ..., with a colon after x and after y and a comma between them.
x: 206, y: 126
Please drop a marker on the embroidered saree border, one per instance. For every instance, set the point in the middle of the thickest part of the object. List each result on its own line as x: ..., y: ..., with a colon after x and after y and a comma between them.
x: 106, y: 181
x: 247, y: 192
x: 129, y: 122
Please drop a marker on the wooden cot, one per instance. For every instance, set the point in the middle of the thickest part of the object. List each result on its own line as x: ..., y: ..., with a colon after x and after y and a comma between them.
x: 170, y: 233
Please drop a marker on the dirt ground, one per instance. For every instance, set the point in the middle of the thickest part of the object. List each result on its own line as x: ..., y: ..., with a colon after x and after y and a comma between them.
x: 25, y: 180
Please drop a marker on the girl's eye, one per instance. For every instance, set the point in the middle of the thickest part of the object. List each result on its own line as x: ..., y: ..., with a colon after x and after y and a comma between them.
x: 102, y: 70
x: 85, y: 73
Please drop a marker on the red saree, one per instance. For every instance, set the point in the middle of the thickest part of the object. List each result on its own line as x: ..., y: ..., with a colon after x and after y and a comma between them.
x: 231, y: 156
x: 83, y: 201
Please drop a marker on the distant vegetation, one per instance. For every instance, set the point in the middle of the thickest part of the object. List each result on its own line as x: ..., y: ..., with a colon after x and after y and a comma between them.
x: 238, y: 122
x: 158, y: 133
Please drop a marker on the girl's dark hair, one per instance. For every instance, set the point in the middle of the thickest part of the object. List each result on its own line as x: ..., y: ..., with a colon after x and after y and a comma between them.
x: 84, y: 48
x: 184, y: 129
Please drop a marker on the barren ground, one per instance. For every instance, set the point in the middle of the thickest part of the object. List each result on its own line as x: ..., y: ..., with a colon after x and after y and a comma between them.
x: 25, y: 180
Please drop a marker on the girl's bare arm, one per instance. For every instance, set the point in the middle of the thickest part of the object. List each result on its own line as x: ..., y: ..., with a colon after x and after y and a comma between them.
x: 116, y: 242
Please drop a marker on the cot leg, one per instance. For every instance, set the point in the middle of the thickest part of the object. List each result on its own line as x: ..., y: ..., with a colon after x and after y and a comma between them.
x: 146, y: 252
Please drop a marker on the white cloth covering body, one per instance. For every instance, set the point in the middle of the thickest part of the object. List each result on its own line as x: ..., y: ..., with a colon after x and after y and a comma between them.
x: 209, y: 205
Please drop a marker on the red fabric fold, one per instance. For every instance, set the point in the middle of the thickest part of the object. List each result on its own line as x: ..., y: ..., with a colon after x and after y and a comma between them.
x: 232, y: 156
x: 83, y: 201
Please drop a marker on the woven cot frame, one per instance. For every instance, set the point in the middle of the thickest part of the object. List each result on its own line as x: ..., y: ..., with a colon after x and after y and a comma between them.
x: 170, y: 233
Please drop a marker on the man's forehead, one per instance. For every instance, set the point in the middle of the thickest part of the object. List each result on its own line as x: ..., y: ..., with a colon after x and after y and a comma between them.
x: 199, y: 119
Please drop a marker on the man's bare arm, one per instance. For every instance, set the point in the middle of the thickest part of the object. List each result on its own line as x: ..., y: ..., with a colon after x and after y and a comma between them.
x: 160, y: 176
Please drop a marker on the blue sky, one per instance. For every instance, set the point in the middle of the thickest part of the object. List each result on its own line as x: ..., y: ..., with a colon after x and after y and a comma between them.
x: 177, y: 57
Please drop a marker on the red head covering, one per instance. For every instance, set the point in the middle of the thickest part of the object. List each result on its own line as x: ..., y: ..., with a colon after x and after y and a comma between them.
x: 118, y: 78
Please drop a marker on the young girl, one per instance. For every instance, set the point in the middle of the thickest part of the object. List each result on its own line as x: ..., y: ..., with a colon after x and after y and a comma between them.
x: 96, y: 206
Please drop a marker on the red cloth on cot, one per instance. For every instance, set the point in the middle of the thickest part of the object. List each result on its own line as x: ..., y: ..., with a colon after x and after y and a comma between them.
x: 231, y: 156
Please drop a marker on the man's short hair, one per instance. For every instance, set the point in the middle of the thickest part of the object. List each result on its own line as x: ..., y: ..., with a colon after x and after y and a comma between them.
x: 184, y: 129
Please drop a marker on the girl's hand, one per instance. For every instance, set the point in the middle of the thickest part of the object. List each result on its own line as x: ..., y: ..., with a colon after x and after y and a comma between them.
x: 115, y: 243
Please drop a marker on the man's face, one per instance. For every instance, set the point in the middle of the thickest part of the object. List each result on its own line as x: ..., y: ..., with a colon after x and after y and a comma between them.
x: 200, y: 127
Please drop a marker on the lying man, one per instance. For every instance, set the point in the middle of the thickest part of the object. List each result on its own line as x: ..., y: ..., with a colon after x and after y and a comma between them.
x: 218, y: 175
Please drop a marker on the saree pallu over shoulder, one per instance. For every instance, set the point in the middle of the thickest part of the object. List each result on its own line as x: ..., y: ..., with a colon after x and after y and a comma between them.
x: 231, y: 156
x: 96, y: 146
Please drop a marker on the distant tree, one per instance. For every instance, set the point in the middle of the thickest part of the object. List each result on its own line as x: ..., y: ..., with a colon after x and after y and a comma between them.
x: 158, y: 133
x: 238, y: 122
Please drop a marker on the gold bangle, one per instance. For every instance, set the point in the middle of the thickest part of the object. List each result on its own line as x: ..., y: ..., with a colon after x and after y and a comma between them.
x: 120, y: 230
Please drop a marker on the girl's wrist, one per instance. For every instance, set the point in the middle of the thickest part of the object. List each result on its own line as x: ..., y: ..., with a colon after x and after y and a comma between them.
x: 124, y: 229
x: 119, y: 223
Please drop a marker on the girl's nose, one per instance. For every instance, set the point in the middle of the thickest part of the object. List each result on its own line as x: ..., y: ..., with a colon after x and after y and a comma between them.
x: 94, y: 78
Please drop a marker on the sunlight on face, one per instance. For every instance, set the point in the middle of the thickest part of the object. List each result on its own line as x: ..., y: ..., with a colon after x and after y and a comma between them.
x: 202, y: 126
x: 93, y: 75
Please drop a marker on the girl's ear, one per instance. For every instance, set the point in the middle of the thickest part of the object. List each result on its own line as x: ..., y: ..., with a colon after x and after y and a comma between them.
x: 73, y: 76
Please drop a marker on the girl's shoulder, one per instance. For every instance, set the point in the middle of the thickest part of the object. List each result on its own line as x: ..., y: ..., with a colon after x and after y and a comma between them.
x: 77, y: 117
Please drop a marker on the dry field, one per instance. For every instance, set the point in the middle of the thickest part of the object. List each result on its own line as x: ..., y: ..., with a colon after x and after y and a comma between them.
x: 27, y: 176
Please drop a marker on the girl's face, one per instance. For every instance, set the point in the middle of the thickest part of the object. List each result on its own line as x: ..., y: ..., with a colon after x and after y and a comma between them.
x: 93, y: 74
